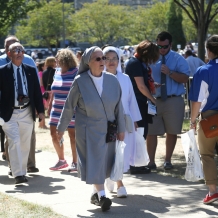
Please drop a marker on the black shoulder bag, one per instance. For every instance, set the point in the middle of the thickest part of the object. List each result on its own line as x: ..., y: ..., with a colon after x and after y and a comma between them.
x: 111, y: 126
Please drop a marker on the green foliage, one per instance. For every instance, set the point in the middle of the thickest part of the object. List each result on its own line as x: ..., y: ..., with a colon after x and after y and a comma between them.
x: 189, y: 28
x: 44, y: 26
x: 175, y: 26
x: 12, y: 10
x: 101, y: 22
x: 213, y: 28
x: 147, y: 23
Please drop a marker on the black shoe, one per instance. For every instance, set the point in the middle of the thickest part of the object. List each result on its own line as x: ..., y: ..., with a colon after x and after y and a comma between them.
x: 20, y: 179
x: 32, y: 170
x: 139, y: 170
x: 95, y: 200
x: 9, y: 172
x: 3, y: 156
x: 168, y: 166
x: 105, y: 203
x: 152, y: 166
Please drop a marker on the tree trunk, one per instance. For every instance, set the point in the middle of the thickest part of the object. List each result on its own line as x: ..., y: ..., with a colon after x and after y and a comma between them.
x: 201, y: 42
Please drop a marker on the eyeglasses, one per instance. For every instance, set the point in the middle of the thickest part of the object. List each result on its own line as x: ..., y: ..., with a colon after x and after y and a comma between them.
x: 18, y: 50
x: 111, y: 60
x: 99, y: 59
x: 163, y: 46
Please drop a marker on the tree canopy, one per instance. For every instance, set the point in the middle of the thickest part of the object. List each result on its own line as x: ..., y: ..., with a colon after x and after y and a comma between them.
x: 201, y: 14
x: 101, y: 22
x: 12, y: 10
x: 45, y: 26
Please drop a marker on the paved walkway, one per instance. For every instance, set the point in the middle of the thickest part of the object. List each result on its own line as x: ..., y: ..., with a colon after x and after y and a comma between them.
x: 149, y: 195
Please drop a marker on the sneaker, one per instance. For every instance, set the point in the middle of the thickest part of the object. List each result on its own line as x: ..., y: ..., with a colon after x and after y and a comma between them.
x: 105, y: 203
x: 59, y: 165
x: 121, y: 192
x: 152, y: 166
x: 168, y: 166
x: 209, y: 199
x: 110, y: 185
x: 73, y: 167
x: 95, y: 199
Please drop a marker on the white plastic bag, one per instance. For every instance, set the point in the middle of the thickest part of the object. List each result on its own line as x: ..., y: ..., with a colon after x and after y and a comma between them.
x: 141, y: 157
x: 117, y: 170
x: 194, y: 170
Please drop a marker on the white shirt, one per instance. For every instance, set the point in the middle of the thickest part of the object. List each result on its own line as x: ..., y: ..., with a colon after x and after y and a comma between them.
x: 98, y: 81
x: 23, y: 80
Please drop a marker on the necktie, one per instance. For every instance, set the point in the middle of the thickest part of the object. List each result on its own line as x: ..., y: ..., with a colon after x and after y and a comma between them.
x: 163, y: 83
x: 19, y: 83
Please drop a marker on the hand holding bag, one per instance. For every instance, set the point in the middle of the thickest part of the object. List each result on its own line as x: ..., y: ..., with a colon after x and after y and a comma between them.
x: 117, y: 170
x: 193, y: 170
x: 210, y: 126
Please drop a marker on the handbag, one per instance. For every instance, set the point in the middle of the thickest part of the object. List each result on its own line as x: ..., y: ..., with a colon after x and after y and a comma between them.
x: 194, y: 171
x: 111, y: 135
x: 45, y: 95
x: 209, y: 126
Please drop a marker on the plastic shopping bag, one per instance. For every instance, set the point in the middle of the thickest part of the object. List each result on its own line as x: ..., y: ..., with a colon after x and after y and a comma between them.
x: 117, y: 170
x: 141, y: 157
x: 194, y: 170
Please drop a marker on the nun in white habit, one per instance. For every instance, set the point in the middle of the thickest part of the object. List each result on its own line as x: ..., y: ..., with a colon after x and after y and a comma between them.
x: 96, y: 97
x: 131, y: 113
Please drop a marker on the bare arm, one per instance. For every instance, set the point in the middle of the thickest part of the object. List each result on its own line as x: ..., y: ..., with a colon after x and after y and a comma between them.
x: 50, y: 103
x: 143, y: 89
x: 195, y: 107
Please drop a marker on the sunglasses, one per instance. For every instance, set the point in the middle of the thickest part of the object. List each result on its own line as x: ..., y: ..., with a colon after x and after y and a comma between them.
x: 99, y: 59
x: 163, y: 46
x: 18, y: 50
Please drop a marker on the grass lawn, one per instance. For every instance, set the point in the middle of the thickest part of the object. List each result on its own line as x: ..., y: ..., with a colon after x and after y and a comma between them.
x: 11, y: 207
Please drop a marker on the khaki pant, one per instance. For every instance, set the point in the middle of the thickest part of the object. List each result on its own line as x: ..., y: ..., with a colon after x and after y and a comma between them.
x: 31, y: 159
x: 18, y: 131
x: 206, y: 147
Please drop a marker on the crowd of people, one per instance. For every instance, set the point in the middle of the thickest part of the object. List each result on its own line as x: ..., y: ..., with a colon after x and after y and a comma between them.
x: 90, y: 96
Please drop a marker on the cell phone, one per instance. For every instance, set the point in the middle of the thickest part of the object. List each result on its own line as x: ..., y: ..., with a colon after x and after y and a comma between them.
x: 40, y: 120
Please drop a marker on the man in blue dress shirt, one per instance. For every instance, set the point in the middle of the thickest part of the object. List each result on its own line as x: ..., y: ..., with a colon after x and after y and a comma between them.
x: 4, y: 59
x: 170, y: 73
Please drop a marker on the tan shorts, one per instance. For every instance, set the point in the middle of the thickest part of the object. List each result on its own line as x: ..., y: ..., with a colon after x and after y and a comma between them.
x: 169, y: 118
x: 206, y: 147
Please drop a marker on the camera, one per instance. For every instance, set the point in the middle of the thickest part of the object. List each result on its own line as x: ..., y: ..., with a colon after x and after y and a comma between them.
x: 22, y: 99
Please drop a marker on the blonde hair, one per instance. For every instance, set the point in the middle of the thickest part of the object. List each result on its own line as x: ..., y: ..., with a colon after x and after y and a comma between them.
x: 49, y: 62
x: 67, y: 58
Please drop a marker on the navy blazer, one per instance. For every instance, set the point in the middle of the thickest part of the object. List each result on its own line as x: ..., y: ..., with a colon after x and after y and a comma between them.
x: 7, y: 91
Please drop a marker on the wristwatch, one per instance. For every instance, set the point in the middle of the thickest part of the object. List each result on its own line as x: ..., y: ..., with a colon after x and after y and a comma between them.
x: 170, y: 72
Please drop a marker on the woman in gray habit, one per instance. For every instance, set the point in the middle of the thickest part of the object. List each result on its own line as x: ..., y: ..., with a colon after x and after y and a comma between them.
x: 96, y: 96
